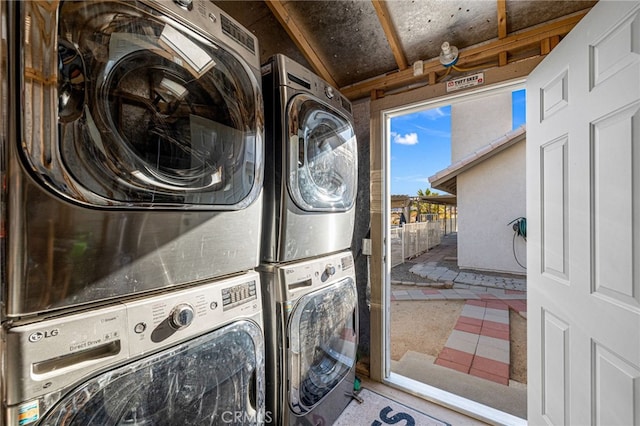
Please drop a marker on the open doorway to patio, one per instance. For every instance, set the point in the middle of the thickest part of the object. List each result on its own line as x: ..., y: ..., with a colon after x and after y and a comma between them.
x: 457, y: 232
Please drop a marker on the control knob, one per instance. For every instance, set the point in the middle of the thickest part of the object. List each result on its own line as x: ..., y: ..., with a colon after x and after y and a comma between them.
x: 330, y: 270
x: 329, y: 92
x: 181, y: 316
x: 188, y: 4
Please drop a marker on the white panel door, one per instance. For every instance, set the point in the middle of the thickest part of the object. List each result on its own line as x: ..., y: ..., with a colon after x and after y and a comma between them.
x: 583, y: 208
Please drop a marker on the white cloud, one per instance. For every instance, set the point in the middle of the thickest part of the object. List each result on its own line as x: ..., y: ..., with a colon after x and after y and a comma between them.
x: 435, y: 113
x: 434, y: 132
x: 412, y: 178
x: 408, y: 139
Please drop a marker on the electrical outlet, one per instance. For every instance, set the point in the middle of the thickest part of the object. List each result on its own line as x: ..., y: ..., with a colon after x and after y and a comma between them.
x: 366, y: 246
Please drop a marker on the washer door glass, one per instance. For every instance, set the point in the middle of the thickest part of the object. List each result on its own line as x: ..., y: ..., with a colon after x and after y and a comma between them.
x: 323, y: 172
x: 214, y: 379
x: 323, y: 343
x: 148, y: 111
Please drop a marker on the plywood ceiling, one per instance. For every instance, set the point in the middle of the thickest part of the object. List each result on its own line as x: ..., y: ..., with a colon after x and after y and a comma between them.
x: 369, y: 47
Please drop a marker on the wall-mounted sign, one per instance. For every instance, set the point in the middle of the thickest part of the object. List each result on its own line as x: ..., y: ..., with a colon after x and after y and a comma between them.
x: 464, y: 82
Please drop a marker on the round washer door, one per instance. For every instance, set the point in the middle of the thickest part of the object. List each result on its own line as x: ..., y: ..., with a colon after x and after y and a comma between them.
x: 323, y: 160
x: 149, y: 112
x: 217, y: 378
x: 323, y: 343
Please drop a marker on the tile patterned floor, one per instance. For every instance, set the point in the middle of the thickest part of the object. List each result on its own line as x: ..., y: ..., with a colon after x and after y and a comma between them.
x: 484, y: 334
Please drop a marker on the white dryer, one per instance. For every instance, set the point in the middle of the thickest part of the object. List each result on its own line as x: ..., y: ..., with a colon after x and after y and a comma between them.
x: 311, y: 175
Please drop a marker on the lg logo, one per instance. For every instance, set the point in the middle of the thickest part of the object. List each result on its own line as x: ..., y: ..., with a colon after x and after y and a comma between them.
x: 39, y: 335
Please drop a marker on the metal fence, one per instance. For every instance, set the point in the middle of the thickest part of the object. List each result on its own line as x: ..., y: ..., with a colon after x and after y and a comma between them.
x: 412, y: 239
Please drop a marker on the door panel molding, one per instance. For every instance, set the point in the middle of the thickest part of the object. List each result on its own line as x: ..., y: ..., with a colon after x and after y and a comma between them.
x: 614, y: 242
x: 555, y: 369
x: 615, y: 50
x: 613, y: 375
x: 554, y: 96
x: 554, y: 205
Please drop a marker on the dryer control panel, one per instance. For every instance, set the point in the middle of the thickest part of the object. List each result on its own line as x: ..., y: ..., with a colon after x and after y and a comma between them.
x: 316, y: 272
x: 50, y: 355
x: 177, y: 315
x: 290, y: 73
x: 210, y: 19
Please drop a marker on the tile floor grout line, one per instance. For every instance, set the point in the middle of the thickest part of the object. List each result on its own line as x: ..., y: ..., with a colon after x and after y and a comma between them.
x: 485, y: 356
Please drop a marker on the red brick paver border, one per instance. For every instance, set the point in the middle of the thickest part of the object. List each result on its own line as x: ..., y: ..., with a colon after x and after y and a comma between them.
x: 488, y: 358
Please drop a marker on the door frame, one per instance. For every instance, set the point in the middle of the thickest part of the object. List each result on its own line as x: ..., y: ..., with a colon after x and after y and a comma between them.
x: 508, y: 77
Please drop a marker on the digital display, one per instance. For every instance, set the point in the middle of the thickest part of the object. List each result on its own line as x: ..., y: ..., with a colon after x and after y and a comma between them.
x: 238, y: 294
x: 236, y: 33
x: 345, y: 104
x: 347, y: 262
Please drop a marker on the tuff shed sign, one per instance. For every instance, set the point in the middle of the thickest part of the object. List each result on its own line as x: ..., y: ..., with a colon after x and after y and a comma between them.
x: 464, y: 82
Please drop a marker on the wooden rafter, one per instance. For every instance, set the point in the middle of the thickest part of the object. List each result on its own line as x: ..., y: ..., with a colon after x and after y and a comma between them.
x: 480, y: 54
x: 502, y: 19
x: 502, y: 29
x: 300, y: 39
x: 548, y: 44
x: 392, y: 37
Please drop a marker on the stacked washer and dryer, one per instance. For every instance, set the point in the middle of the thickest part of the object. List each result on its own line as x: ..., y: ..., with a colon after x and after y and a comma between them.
x: 307, y: 270
x: 132, y: 168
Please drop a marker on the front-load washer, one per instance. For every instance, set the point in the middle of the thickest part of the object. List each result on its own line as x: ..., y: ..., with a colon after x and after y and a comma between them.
x: 311, y: 334
x: 193, y: 356
x: 134, y: 161
x: 311, y: 155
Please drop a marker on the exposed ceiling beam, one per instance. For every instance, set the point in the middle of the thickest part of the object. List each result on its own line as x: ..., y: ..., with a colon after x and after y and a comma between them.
x: 502, y: 19
x: 502, y: 29
x: 300, y: 39
x: 480, y: 54
x: 548, y: 44
x: 392, y: 37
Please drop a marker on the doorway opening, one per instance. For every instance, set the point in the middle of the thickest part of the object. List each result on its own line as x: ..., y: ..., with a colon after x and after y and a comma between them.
x: 456, y: 287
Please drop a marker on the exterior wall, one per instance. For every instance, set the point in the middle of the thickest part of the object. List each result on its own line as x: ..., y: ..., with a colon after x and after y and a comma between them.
x: 490, y: 196
x: 475, y: 123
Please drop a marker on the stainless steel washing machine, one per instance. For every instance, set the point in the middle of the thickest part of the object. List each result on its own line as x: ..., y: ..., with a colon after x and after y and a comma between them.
x: 134, y: 161
x: 311, y: 155
x: 311, y: 331
x: 190, y: 356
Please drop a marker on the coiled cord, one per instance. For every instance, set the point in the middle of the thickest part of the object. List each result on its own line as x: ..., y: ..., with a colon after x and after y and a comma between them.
x: 519, y: 230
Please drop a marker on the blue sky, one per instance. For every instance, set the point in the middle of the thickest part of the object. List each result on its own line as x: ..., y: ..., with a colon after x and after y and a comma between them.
x: 421, y: 145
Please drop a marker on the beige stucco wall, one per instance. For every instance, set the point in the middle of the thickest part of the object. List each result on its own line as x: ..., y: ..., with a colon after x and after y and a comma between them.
x: 490, y: 196
x: 475, y: 123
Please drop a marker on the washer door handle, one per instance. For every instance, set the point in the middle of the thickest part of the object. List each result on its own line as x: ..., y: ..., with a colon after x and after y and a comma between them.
x: 355, y: 321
